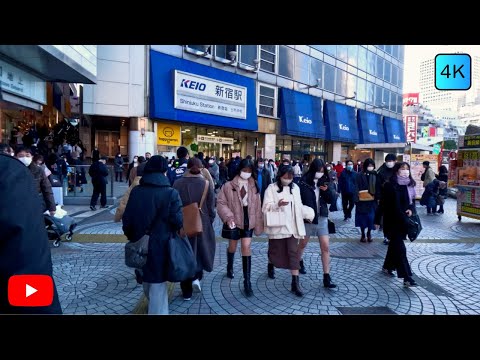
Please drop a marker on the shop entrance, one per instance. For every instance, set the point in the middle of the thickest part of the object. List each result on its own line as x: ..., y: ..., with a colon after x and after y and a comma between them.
x: 108, y: 142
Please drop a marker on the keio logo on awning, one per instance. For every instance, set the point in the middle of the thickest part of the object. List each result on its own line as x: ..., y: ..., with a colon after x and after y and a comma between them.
x: 195, y: 85
x: 372, y: 132
x: 304, y: 120
x: 343, y: 127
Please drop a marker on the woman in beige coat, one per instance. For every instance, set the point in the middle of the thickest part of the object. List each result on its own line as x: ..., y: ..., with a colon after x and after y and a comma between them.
x: 283, y: 199
x: 239, y: 206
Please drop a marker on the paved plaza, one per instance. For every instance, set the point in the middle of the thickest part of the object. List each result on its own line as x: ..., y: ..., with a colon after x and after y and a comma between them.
x: 92, y: 278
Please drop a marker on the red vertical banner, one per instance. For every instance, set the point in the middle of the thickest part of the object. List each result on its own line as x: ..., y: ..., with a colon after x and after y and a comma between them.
x: 411, y: 128
x: 432, y: 132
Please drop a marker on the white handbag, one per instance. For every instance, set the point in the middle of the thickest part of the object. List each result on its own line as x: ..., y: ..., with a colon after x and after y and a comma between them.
x: 276, y: 218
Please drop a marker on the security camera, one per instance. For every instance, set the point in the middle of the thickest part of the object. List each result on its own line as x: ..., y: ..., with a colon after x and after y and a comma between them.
x: 232, y: 55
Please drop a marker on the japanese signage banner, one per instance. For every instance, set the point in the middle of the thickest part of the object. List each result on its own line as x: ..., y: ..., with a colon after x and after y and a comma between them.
x: 468, y: 201
x: 410, y: 99
x: 206, y: 95
x: 21, y: 83
x: 469, y: 141
x: 411, y: 128
x: 416, y: 169
x: 168, y: 134
x: 214, y: 140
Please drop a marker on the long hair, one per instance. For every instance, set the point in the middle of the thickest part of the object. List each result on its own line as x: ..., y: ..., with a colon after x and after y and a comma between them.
x: 367, y: 162
x: 317, y: 165
x: 443, y: 170
x: 397, y: 167
x: 282, y: 170
x: 194, y: 165
x: 247, y: 163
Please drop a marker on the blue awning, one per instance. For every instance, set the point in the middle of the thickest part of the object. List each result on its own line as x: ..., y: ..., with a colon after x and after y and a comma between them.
x: 301, y: 114
x: 341, y: 123
x: 370, y: 128
x: 394, y: 130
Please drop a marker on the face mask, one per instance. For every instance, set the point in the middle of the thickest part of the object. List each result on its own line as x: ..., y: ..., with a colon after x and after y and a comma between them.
x: 211, y: 161
x: 286, y: 182
x: 359, y: 163
x: 404, y: 173
x: 329, y: 168
x: 390, y: 164
x: 26, y: 160
x: 370, y: 168
x: 343, y: 164
x: 350, y: 167
x: 12, y: 154
x: 135, y: 160
x: 261, y: 166
x: 318, y: 175
x: 244, y: 175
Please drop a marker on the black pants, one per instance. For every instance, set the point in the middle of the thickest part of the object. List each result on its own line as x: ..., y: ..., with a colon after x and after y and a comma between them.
x: 396, y: 258
x: 117, y: 175
x: 348, y: 205
x: 186, y: 286
x: 97, y: 190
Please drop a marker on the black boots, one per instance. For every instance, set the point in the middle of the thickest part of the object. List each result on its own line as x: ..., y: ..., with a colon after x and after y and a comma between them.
x: 302, y: 268
x: 296, y: 289
x: 271, y: 271
x: 327, y: 282
x: 247, y: 269
x: 230, y: 257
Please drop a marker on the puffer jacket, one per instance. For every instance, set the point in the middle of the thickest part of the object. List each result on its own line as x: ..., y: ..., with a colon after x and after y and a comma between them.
x: 230, y: 207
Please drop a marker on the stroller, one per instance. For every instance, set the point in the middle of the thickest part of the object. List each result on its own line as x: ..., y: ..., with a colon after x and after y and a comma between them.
x: 57, y: 227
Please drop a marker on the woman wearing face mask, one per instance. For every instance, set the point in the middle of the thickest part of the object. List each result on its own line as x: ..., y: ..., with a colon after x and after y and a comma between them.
x: 367, y: 183
x: 317, y: 191
x: 384, y: 174
x: 284, y: 196
x: 118, y: 167
x: 239, y: 206
x: 133, y: 164
x: 397, y: 203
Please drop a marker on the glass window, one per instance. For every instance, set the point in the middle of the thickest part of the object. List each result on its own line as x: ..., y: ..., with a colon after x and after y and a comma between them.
x: 379, y: 96
x: 329, y: 78
x: 342, y: 52
x: 327, y: 49
x: 401, y: 52
x: 268, y: 54
x: 400, y: 78
x: 316, y: 67
x: 302, y: 67
x: 388, y: 49
x: 222, y: 51
x: 352, y: 54
x: 382, y: 47
x: 266, y: 101
x: 370, y: 92
x: 351, y: 85
x: 248, y: 53
x: 387, y: 71
x: 286, y: 61
x: 341, y: 83
x: 399, y: 103
x: 200, y: 48
x: 395, y: 51
x: 361, y: 90
x: 394, y: 75
x: 390, y: 100
x: 371, y: 62
x: 362, y: 58
x: 379, y: 67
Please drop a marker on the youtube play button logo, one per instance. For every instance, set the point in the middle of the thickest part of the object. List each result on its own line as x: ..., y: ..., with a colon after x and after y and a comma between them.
x: 30, y: 290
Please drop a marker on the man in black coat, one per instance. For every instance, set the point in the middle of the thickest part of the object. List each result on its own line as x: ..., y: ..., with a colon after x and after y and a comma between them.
x: 263, y: 178
x: 98, y: 172
x: 24, y: 247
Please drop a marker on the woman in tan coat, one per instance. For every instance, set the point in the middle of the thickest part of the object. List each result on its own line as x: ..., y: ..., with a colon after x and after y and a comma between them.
x: 239, y: 207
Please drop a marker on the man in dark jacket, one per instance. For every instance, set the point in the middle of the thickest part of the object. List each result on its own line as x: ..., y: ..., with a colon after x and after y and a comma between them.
x: 233, y: 167
x: 42, y: 184
x: 99, y: 172
x: 263, y: 177
x: 155, y: 207
x: 24, y: 247
x: 179, y: 167
x: 384, y: 174
x: 347, y: 185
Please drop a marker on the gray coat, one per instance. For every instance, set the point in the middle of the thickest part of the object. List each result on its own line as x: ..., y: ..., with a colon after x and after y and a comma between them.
x: 191, y: 187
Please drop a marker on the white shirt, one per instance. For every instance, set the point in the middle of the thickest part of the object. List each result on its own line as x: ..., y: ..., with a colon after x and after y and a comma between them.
x: 317, y: 194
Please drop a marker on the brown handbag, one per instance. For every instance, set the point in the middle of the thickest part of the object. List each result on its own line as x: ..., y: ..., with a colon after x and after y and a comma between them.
x: 192, y: 220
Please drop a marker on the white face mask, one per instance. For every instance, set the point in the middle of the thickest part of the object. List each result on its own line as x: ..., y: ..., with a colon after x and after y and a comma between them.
x: 404, y: 173
x: 318, y: 175
x: 244, y: 175
x: 26, y: 160
x: 390, y: 164
x: 286, y: 182
x: 261, y: 165
x: 135, y: 160
x: 343, y: 164
x: 329, y: 168
x: 13, y: 154
x: 370, y: 168
x: 211, y: 161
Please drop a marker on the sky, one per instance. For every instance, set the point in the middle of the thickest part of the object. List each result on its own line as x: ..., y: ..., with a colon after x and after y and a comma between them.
x: 414, y: 54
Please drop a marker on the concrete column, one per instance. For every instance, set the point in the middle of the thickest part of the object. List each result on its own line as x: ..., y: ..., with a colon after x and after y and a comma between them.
x: 379, y: 158
x: 334, y: 152
x: 269, y: 147
x: 139, y: 144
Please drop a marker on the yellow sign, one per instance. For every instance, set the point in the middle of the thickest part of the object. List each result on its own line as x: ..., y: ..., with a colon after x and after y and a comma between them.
x: 168, y: 134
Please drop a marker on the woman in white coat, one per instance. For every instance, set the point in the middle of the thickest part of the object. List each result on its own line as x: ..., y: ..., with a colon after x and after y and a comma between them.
x: 284, y: 215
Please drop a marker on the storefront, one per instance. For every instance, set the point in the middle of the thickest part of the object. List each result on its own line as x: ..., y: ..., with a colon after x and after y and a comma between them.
x: 302, y: 131
x: 201, y: 107
x: 371, y: 134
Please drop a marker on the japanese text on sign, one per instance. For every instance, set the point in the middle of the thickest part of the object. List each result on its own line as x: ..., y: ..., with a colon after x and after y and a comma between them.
x: 411, y: 128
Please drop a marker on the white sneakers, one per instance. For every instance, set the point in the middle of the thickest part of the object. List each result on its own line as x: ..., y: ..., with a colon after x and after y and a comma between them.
x: 196, y: 285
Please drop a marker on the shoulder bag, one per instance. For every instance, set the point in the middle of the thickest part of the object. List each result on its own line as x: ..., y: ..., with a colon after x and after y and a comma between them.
x: 182, y: 263
x: 192, y: 221
x: 414, y: 226
x: 364, y: 195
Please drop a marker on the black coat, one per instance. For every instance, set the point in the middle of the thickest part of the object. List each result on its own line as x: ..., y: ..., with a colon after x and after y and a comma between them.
x: 307, y: 192
x: 266, y: 180
x: 118, y: 162
x: 24, y: 247
x: 155, y: 203
x: 393, y: 204
x: 443, y: 177
x: 98, y: 172
x: 384, y: 174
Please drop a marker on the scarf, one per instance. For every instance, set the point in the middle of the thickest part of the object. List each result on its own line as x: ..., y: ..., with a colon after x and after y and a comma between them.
x: 372, y: 181
x: 411, y: 190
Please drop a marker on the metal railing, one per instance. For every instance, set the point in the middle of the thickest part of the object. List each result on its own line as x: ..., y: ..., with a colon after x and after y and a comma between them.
x: 78, y: 183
